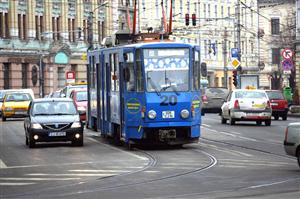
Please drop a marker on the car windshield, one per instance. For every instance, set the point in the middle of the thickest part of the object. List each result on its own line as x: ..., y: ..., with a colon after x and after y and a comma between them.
x: 166, y: 69
x: 75, y: 88
x: 18, y: 97
x: 54, y: 108
x: 275, y: 95
x: 81, y: 96
x: 250, y: 94
x: 218, y: 92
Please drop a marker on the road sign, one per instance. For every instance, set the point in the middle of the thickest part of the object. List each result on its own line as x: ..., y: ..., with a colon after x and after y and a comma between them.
x: 235, y: 63
x: 287, y: 72
x: 70, y: 77
x: 234, y: 52
x: 287, y: 53
x: 287, y: 64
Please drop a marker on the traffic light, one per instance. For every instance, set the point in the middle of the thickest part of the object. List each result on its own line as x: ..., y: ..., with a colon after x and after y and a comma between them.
x: 194, y: 19
x: 187, y: 19
x: 203, y: 69
x: 234, y: 78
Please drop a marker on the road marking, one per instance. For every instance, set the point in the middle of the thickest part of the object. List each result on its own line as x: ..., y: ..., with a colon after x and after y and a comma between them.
x: 100, y: 171
x: 269, y: 184
x: 2, y: 165
x: 16, y: 183
x: 38, y: 179
x: 128, y: 153
x: 206, y: 125
x: 72, y: 174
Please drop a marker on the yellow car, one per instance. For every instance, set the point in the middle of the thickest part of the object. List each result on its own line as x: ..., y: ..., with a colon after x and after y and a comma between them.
x: 15, y: 105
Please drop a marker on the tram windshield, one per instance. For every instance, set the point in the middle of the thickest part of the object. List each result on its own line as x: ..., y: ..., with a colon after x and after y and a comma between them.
x: 167, y: 69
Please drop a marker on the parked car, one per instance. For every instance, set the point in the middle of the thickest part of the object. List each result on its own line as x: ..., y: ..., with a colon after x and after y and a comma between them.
x: 279, y: 104
x: 80, y: 99
x: 292, y: 140
x: 55, y: 94
x: 3, y: 92
x: 212, y: 99
x: 53, y: 119
x: 66, y: 91
x: 15, y: 105
x: 247, y: 105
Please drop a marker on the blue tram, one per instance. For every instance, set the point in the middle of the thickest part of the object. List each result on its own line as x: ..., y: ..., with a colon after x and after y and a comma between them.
x: 145, y: 92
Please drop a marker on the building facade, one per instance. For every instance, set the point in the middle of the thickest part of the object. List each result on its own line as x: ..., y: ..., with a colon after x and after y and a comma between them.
x: 40, y: 40
x: 297, y: 60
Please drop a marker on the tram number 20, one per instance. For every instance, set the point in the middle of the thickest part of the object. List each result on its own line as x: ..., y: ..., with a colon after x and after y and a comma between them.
x: 166, y: 100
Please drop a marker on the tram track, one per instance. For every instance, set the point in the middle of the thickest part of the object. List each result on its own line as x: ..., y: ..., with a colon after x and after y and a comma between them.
x: 152, y: 163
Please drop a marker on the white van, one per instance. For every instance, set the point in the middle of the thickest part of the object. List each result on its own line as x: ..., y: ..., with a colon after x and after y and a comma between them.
x: 3, y: 92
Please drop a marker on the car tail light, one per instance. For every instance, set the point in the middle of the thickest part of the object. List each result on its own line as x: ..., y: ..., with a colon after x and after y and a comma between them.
x: 286, y: 134
x: 268, y: 104
x: 236, y: 104
x: 286, y: 104
x: 193, y: 111
x: 204, y: 98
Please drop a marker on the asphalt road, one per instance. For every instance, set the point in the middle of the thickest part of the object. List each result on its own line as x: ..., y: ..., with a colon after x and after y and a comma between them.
x: 241, y: 161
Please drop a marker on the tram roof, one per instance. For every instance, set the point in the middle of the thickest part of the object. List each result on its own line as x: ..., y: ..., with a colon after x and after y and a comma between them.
x: 150, y: 45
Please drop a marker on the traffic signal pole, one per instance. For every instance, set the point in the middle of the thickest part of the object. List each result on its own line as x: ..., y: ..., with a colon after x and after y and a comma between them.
x: 238, y: 42
x: 225, y: 69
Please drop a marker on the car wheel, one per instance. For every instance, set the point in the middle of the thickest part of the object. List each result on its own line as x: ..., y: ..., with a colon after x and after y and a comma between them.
x: 231, y: 121
x: 223, y: 120
x: 284, y: 117
x: 26, y: 140
x: 258, y: 123
x: 276, y: 117
x: 298, y: 158
x: 3, y: 118
x: 268, y: 122
x: 31, y: 143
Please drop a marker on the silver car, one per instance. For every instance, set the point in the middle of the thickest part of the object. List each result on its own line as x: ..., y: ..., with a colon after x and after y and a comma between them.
x: 292, y: 140
x: 247, y: 105
x: 212, y: 99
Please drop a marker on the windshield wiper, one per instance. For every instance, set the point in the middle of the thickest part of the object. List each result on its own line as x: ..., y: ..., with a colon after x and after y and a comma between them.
x: 153, y: 85
x: 172, y: 86
x: 42, y: 114
x: 62, y: 114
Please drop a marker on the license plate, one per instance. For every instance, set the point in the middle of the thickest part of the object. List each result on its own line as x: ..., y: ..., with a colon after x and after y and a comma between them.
x: 55, y: 134
x: 258, y: 105
x: 21, y: 112
x: 168, y: 114
x: 274, y: 104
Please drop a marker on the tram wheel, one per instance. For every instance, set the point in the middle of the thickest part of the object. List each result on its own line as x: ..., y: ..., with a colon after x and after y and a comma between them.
x: 117, y: 136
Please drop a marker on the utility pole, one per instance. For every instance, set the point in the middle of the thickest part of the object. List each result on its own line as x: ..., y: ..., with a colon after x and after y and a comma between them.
x: 225, y: 69
x: 90, y: 30
x: 238, y: 34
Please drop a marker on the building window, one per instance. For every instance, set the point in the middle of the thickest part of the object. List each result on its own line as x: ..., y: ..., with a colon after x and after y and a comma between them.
x: 39, y: 27
x: 275, y: 55
x: 6, y: 75
x: 204, y: 10
x: 275, y: 27
x: 22, y: 27
x: 4, y: 26
x: 61, y: 79
x: 228, y: 11
x: 24, y: 75
x: 216, y: 11
x: 208, y: 10
x: 71, y: 28
x: 56, y: 28
x: 85, y: 30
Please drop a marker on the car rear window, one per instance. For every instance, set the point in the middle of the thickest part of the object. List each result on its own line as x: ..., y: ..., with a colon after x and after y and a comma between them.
x: 18, y: 97
x: 250, y: 94
x: 216, y: 91
x: 275, y: 95
x: 81, y: 96
x: 54, y: 108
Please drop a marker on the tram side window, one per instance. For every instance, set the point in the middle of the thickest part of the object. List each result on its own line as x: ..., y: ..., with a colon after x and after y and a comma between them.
x: 114, y: 70
x: 130, y: 84
x: 196, y: 71
x: 139, y: 72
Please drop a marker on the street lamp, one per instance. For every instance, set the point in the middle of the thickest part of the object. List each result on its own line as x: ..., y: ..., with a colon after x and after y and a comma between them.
x: 90, y: 25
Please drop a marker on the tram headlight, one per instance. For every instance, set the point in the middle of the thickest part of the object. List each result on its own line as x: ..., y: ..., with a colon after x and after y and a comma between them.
x: 184, y: 113
x: 152, y: 114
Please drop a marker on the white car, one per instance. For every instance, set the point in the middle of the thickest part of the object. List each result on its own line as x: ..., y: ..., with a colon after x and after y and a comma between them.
x: 247, y: 105
x: 292, y: 140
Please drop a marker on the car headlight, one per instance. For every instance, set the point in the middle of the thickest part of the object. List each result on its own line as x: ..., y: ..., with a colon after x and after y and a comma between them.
x: 184, y: 113
x: 8, y: 108
x: 76, y: 125
x: 81, y: 108
x: 152, y: 114
x: 36, y: 126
